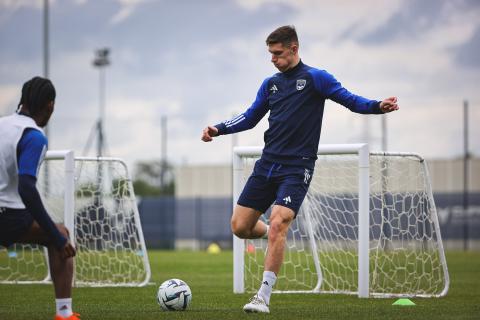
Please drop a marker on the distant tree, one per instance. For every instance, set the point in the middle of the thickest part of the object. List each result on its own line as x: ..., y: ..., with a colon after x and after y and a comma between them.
x: 87, y: 190
x: 153, y: 178
x: 120, y: 188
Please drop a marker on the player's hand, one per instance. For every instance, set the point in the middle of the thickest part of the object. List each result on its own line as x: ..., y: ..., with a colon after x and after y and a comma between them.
x: 208, y: 133
x: 68, y: 250
x: 389, y: 105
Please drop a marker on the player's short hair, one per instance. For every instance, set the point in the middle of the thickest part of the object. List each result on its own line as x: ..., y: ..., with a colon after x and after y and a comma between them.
x: 36, y: 93
x: 285, y: 35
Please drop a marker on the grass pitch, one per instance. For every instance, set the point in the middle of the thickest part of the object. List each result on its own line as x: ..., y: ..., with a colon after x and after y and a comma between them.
x: 210, y: 278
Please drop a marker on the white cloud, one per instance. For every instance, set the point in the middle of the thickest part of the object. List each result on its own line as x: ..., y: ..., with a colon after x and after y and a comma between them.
x: 17, y: 4
x: 250, y: 4
x: 9, y: 96
x: 127, y: 9
x: 195, y: 81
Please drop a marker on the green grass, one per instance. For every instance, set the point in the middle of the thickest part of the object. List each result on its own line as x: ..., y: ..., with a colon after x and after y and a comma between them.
x: 210, y: 278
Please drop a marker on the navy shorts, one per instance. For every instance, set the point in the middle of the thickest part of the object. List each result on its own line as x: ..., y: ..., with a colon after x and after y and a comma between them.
x: 14, y: 224
x: 272, y: 183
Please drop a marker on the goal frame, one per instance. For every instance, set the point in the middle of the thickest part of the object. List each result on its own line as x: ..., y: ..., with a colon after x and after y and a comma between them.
x: 68, y: 157
x: 68, y: 208
x: 146, y: 262
x: 69, y: 217
x: 363, y: 165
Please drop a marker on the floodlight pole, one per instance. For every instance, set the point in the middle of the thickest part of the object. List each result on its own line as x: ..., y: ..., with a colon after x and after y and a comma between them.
x: 163, y: 159
x: 387, y: 233
x: 45, y: 46
x: 101, y: 61
x: 384, y: 133
x: 45, y: 39
x: 466, y: 157
x: 46, y: 58
x: 101, y: 116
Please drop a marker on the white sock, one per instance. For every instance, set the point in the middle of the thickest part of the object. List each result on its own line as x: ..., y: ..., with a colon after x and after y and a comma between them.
x: 64, y: 307
x: 265, y: 236
x: 268, y: 281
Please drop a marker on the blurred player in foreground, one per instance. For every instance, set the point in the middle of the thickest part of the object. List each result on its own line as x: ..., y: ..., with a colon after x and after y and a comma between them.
x: 23, y: 218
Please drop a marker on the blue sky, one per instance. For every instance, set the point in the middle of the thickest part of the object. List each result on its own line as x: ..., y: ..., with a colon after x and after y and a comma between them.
x: 201, y: 62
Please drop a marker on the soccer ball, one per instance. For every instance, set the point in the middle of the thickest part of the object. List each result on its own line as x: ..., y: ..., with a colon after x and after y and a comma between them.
x: 174, y: 294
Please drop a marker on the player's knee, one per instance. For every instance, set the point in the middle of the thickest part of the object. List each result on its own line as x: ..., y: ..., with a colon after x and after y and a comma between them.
x: 239, y: 229
x: 278, y: 227
x: 275, y: 228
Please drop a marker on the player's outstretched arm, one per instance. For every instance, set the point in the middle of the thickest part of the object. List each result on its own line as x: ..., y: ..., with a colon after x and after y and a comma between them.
x: 243, y: 121
x: 389, y: 105
x: 208, y: 133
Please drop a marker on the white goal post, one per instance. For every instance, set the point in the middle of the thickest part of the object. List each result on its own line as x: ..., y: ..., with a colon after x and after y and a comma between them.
x: 368, y: 226
x: 94, y: 198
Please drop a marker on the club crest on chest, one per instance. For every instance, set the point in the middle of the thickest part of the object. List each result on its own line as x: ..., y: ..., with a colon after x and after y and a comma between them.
x: 301, y: 84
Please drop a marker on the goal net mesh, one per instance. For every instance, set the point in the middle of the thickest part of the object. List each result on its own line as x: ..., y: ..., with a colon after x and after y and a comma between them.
x: 405, y: 251
x: 108, y: 237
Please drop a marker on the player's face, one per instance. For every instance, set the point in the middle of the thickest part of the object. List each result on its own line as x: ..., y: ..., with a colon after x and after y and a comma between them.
x: 283, y: 57
x: 46, y: 114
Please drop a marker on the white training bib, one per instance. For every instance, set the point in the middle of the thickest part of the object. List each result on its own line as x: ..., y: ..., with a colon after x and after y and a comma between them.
x: 11, y: 131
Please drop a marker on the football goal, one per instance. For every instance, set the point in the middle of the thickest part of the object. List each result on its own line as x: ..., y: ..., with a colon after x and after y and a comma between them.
x: 94, y: 198
x: 368, y: 226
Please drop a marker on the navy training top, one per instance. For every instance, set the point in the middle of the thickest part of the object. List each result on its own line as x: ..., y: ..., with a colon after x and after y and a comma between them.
x: 296, y: 100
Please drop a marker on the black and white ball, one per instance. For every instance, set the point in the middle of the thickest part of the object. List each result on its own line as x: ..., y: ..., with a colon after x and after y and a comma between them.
x: 174, y: 294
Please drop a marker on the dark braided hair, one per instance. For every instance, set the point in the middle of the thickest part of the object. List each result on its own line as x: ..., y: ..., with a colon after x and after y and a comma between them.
x: 36, y: 93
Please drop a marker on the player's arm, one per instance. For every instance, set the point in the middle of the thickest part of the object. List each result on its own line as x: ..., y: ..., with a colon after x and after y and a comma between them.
x: 244, y: 121
x: 331, y: 89
x: 30, y: 152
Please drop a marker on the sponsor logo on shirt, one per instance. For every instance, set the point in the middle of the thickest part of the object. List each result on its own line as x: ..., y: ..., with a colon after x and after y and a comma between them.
x: 274, y: 89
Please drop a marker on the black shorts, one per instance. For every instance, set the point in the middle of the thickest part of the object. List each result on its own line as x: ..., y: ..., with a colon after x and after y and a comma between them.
x: 274, y: 183
x: 14, y: 224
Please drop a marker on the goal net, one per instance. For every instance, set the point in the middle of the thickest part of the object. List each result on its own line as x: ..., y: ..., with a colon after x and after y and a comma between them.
x: 93, y: 197
x: 368, y: 226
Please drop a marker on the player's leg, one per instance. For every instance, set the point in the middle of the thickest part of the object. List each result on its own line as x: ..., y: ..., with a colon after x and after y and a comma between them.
x: 257, y: 196
x: 280, y: 220
x: 293, y: 187
x: 61, y: 269
x: 246, y: 224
